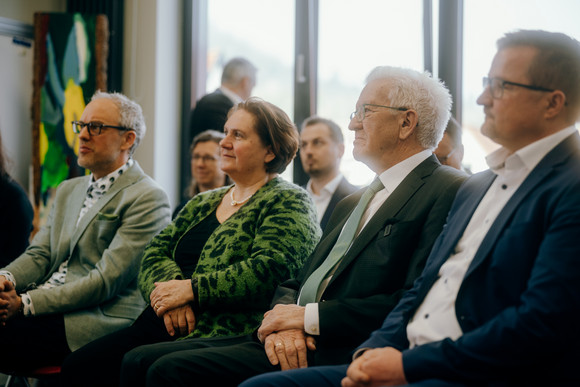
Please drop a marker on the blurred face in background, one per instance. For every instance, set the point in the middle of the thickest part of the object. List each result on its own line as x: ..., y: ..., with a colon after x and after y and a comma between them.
x: 448, y: 153
x: 205, y: 166
x: 319, y: 153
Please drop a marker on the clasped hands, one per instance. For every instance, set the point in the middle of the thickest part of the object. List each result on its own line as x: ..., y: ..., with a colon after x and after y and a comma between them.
x: 285, y: 342
x: 10, y: 301
x: 171, y: 301
x: 376, y: 367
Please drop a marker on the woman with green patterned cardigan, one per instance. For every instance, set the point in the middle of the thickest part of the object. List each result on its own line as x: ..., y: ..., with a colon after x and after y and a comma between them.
x: 214, y: 269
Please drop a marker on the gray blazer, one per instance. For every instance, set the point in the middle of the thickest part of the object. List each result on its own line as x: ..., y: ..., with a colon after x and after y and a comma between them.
x: 100, y: 292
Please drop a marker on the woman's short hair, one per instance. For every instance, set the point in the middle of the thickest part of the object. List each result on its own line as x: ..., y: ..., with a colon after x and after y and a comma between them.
x: 275, y: 129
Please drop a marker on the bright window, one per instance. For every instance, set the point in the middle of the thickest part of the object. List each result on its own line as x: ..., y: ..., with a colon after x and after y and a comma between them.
x: 484, y: 23
x: 261, y: 31
x: 354, y: 38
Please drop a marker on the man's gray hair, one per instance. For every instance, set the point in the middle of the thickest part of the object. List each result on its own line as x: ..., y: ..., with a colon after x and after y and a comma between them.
x: 236, y: 70
x: 421, y: 92
x: 130, y: 115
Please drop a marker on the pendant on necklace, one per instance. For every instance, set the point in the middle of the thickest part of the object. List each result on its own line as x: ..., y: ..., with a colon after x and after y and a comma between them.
x: 235, y: 202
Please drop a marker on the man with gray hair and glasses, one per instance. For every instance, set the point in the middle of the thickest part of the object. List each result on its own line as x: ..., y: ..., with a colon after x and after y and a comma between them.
x: 77, y: 279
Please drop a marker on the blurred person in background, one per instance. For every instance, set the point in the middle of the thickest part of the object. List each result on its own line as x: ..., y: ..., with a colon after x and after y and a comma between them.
x: 16, y: 215
x: 206, y: 173
x: 450, y: 149
x: 321, y: 149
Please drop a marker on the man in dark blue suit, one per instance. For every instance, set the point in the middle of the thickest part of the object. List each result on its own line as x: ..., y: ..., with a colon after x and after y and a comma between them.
x: 321, y: 149
x: 499, y: 299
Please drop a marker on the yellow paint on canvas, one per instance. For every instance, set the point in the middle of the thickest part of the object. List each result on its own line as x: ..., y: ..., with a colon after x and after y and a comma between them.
x: 42, y: 143
x: 74, y: 104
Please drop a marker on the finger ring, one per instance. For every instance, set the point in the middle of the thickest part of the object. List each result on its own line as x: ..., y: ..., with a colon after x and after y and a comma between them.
x: 156, y: 306
x: 278, y: 344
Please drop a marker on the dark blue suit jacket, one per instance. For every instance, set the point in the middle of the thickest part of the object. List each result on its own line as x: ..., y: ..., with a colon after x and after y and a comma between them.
x: 519, y: 303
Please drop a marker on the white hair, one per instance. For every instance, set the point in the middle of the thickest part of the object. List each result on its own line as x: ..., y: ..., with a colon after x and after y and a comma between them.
x: 421, y: 92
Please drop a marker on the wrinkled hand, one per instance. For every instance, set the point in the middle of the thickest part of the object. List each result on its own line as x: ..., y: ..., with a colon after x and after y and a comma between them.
x: 180, y: 321
x: 289, y: 348
x: 280, y: 318
x: 3, y: 280
x: 376, y: 367
x: 10, y: 301
x: 170, y: 295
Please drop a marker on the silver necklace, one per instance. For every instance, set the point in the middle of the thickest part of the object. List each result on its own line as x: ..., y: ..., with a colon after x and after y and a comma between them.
x: 236, y: 202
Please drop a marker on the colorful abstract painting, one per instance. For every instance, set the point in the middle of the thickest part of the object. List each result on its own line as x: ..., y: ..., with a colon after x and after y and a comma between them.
x: 69, y: 66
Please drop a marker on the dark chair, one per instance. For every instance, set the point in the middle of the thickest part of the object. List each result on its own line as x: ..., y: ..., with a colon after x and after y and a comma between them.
x: 48, y: 373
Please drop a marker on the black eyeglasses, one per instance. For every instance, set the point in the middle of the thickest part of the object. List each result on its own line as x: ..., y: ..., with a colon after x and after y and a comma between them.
x: 360, y: 113
x: 94, y: 128
x: 497, y: 85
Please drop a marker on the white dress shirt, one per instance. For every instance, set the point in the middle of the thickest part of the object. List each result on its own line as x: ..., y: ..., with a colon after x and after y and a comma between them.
x: 435, y: 319
x: 391, y: 178
x: 322, y: 199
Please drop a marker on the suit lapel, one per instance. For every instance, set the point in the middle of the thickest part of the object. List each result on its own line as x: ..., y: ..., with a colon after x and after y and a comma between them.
x: 555, y: 157
x: 78, y: 195
x: 463, y: 209
x: 327, y: 243
x: 336, y: 197
x: 388, y: 211
x: 128, y: 178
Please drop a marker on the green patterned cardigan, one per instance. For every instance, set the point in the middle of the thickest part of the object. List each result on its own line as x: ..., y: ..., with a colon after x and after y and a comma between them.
x: 264, y: 243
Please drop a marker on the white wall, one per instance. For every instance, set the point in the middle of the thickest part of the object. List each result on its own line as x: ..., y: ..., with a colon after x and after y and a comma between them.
x: 23, y: 10
x: 16, y: 87
x: 152, y: 77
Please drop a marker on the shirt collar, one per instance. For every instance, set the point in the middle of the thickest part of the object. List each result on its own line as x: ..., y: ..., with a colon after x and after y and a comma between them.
x: 236, y: 99
x: 392, y: 177
x: 528, y: 156
x: 330, y: 187
x: 102, y: 185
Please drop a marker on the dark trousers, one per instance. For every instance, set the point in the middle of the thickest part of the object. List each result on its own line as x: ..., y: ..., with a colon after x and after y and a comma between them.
x: 219, y: 361
x: 329, y: 376
x: 32, y: 342
x: 99, y: 362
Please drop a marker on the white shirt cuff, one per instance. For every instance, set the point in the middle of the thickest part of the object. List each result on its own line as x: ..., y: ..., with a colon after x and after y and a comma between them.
x: 311, y: 321
x: 8, y: 276
x: 28, y: 307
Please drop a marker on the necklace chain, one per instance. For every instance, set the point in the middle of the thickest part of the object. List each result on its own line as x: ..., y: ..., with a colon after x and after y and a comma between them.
x: 236, y: 202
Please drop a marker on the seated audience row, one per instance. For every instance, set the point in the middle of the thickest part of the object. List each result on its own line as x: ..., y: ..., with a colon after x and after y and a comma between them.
x: 213, y: 271
x: 358, y: 285
x: 445, y: 280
